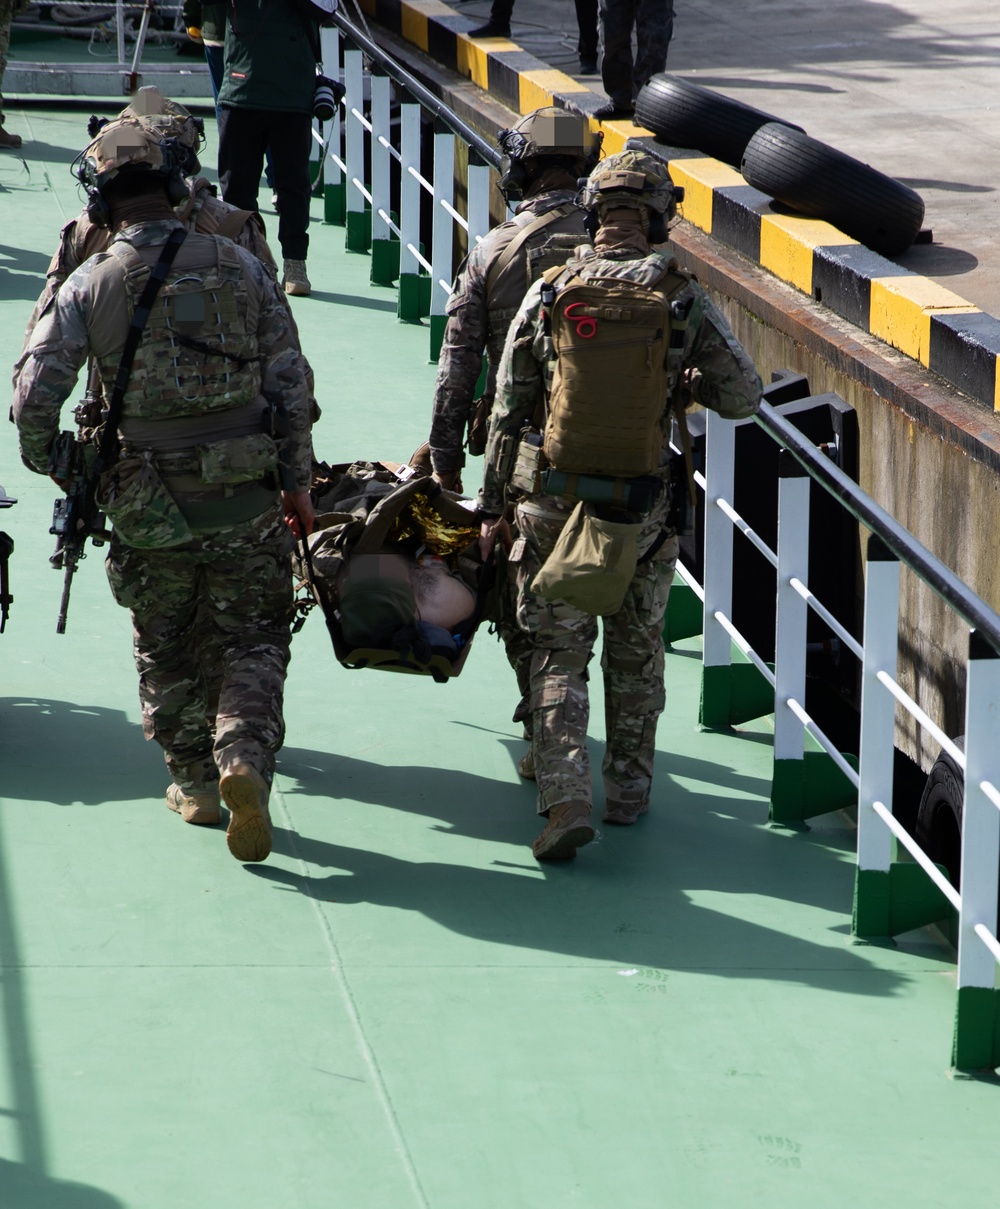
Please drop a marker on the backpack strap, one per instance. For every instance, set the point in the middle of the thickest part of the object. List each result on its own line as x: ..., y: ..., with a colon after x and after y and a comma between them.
x: 519, y: 240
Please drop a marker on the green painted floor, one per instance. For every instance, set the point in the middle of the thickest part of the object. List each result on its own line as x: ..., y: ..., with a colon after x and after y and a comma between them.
x: 401, y: 1008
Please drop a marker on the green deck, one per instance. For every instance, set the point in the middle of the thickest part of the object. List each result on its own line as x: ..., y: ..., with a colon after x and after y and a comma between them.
x: 401, y: 1008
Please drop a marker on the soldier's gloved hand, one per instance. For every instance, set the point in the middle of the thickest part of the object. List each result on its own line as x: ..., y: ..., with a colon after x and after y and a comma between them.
x: 300, y: 515
x: 492, y: 530
x: 450, y: 482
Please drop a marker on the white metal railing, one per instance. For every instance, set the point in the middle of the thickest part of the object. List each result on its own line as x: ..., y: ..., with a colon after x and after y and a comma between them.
x: 362, y: 150
x: 975, y: 1041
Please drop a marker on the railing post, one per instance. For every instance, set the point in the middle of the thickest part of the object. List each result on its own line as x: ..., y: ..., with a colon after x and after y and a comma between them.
x: 479, y: 197
x: 788, y: 786
x: 442, y: 232
x: 334, y: 200
x: 358, y: 238
x: 872, y: 898
x: 385, y: 249
x: 977, y: 1017
x: 408, y: 304
x: 720, y: 474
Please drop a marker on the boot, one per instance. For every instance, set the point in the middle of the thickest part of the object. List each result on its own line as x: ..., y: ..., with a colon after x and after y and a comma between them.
x: 492, y: 29
x: 568, y: 828
x: 294, y: 279
x: 624, y: 814
x: 197, y: 805
x: 246, y: 792
x: 13, y: 141
x: 526, y: 765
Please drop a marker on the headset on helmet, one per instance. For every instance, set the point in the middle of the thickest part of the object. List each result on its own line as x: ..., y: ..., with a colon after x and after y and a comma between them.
x: 632, y: 178
x: 129, y: 145
x: 545, y: 132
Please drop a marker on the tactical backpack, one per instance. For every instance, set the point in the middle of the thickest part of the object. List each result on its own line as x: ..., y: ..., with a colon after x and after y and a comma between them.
x: 368, y: 507
x: 609, y: 372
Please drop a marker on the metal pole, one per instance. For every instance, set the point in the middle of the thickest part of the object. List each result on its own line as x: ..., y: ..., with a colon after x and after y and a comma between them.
x: 385, y: 250
x: 442, y: 232
x: 409, y: 303
x: 479, y: 198
x: 720, y: 466
x: 358, y: 237
x: 334, y: 200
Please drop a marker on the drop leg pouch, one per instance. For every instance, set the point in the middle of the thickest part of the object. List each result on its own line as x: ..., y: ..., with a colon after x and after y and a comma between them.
x: 592, y: 564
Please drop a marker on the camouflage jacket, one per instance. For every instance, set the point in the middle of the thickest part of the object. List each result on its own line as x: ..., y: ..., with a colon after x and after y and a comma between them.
x: 724, y: 380
x: 201, y: 211
x: 478, y: 323
x: 78, y: 323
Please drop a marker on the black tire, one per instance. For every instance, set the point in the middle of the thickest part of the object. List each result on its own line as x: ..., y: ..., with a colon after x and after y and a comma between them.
x: 686, y: 115
x: 819, y: 181
x: 939, y: 816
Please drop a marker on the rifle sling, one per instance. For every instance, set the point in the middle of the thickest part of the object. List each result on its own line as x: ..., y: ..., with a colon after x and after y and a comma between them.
x: 108, y: 449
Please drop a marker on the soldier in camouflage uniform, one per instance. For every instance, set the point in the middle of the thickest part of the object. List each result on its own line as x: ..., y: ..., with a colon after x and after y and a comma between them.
x: 622, y: 74
x: 201, y: 544
x: 200, y: 210
x: 545, y: 155
x: 631, y: 195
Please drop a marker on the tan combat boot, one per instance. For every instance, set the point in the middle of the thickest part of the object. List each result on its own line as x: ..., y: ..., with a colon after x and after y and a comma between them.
x: 13, y: 141
x: 294, y: 279
x: 245, y: 792
x: 624, y: 814
x: 568, y: 828
x: 197, y: 806
x: 526, y: 765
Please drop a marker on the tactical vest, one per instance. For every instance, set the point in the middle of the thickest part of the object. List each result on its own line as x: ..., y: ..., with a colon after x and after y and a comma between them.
x: 609, y: 375
x: 541, y: 242
x: 199, y: 351
x: 197, y: 449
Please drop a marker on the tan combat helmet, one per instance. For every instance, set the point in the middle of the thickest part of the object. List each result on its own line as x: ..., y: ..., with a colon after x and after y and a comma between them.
x: 546, y: 133
x: 172, y: 120
x: 128, y: 145
x: 632, y: 178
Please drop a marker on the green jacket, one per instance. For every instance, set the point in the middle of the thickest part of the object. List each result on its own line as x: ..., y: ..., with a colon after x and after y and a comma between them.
x: 270, y: 57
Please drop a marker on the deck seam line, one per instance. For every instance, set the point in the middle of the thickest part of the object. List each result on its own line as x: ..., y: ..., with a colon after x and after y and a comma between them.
x: 367, y: 1053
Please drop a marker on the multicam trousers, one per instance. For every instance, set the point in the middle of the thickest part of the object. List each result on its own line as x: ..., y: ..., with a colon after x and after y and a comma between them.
x: 563, y: 639
x: 211, y: 633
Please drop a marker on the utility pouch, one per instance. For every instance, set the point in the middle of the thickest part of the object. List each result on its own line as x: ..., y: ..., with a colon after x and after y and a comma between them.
x: 591, y: 565
x: 479, y: 427
x: 236, y: 460
x: 634, y: 495
x: 529, y: 464
x: 143, y: 512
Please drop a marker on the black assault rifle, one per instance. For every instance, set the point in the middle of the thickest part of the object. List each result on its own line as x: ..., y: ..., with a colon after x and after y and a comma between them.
x: 75, y: 515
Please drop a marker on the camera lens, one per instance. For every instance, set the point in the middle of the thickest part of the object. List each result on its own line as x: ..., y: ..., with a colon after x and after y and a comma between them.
x: 324, y: 100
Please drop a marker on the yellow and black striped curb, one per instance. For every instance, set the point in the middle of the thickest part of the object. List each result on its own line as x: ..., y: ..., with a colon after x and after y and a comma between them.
x: 912, y: 313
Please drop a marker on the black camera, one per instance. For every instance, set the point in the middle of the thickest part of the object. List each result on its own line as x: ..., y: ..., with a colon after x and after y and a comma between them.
x: 327, y: 97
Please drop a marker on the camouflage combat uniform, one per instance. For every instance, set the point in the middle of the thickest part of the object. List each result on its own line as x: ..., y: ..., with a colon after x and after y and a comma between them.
x: 211, y: 611
x: 563, y: 637
x: 477, y: 322
x: 653, y: 21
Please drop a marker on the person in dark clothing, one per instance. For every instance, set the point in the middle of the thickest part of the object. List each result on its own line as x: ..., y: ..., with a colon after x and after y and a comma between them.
x: 498, y: 26
x: 622, y: 74
x: 266, y: 100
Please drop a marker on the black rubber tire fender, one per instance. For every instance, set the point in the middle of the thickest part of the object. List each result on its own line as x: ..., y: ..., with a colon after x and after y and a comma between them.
x: 939, y: 816
x: 683, y: 114
x: 821, y: 182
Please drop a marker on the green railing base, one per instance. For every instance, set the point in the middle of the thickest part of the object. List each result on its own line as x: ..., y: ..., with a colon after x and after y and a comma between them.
x: 888, y: 903
x: 685, y: 614
x: 359, y: 231
x: 335, y: 204
x: 438, y: 323
x: 813, y: 785
x: 734, y: 693
x: 976, y: 1044
x: 385, y: 261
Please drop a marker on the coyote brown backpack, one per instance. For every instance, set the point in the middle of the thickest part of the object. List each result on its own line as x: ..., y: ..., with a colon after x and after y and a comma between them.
x: 608, y: 395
